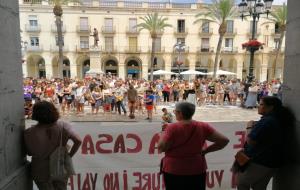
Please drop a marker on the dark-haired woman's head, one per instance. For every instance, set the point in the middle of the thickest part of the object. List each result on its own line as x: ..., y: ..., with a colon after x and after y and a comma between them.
x: 45, y: 112
x: 269, y: 104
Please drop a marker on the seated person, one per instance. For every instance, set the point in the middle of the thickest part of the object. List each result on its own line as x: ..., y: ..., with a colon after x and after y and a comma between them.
x: 167, y: 116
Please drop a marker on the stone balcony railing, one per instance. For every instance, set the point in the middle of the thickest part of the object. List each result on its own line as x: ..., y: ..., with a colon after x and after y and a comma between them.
x: 203, y: 32
x: 83, y: 28
x: 108, y: 29
x: 38, y: 48
x: 30, y: 28
x: 132, y: 31
x: 205, y: 49
x: 229, y: 50
x: 181, y: 31
x: 133, y: 49
x: 231, y: 33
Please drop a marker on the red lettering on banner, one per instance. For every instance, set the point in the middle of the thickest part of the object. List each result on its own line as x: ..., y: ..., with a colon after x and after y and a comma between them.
x: 138, y: 141
x: 156, y: 186
x: 233, y: 180
x: 125, y: 182
x: 93, y: 180
x: 89, y: 181
x: 86, y: 183
x: 219, y: 176
x: 71, y: 183
x: 210, y: 178
x: 138, y: 181
x: 241, y: 140
x: 87, y: 145
x: 107, y: 139
x: 154, y: 144
x: 111, y: 181
x: 119, y: 144
x: 147, y: 178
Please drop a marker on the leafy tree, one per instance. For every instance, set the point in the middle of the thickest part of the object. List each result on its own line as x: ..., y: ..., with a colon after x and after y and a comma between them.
x: 279, y: 17
x: 58, y: 12
x: 155, y: 24
x: 220, y: 11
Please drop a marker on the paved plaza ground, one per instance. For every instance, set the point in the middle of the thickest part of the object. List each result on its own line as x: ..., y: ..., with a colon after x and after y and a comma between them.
x: 209, y: 113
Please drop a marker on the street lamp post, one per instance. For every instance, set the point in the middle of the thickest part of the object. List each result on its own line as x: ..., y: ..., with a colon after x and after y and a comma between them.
x: 254, y: 8
x: 179, y: 47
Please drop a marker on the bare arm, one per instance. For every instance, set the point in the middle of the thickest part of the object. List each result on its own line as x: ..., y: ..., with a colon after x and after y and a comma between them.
x: 77, y: 142
x: 219, y: 142
x: 162, y: 145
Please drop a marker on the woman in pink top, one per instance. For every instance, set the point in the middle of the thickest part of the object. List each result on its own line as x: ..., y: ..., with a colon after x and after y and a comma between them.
x: 184, y: 165
x: 42, y: 139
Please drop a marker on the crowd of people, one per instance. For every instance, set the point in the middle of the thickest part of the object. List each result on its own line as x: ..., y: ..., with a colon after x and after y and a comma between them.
x: 182, y: 141
x: 108, y: 94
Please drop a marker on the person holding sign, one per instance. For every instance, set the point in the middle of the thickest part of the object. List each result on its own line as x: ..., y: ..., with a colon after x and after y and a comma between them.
x: 184, y: 165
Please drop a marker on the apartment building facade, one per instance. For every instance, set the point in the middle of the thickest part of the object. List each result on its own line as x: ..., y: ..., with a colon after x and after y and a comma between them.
x: 125, y: 51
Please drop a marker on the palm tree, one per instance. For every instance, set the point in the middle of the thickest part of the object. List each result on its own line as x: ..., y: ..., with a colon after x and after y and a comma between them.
x: 279, y: 16
x: 154, y: 24
x: 220, y: 11
x: 58, y: 12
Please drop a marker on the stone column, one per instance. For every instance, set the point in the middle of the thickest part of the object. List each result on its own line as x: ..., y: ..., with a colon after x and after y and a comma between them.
x: 289, y: 175
x: 264, y: 67
x: 14, y: 172
x: 48, y: 66
x: 168, y: 64
x: 95, y: 61
x: 239, y: 66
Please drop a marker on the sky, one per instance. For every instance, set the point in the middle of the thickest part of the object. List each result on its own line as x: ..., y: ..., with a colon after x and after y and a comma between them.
x: 275, y: 2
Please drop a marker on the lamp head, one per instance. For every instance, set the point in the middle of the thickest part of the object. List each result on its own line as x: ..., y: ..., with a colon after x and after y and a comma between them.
x: 251, y: 3
x: 259, y: 7
x: 268, y: 4
x: 243, y: 7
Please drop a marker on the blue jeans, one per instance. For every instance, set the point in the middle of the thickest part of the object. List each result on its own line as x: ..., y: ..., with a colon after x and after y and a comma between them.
x: 121, y: 105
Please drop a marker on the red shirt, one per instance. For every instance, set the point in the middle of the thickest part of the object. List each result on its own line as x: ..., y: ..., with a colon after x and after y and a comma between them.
x: 183, y: 156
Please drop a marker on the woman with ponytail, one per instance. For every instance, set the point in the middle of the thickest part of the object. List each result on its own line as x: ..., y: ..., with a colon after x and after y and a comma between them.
x: 266, y: 144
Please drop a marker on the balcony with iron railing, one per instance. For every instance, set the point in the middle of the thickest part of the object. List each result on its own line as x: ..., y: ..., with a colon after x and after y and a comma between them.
x: 133, y: 4
x: 38, y: 48
x: 133, y: 49
x: 83, y: 28
x: 181, y: 5
x: 181, y: 32
x: 82, y: 48
x: 54, y: 28
x: 32, y: 1
x: 108, y: 30
x: 231, y: 33
x: 229, y: 49
x: 107, y: 3
x: 54, y: 48
x: 32, y: 28
x: 132, y: 31
x: 109, y: 49
x: 157, y: 5
x: 205, y: 32
x: 205, y: 49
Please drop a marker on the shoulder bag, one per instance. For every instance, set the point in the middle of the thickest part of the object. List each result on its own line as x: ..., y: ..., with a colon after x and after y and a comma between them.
x: 60, y: 163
